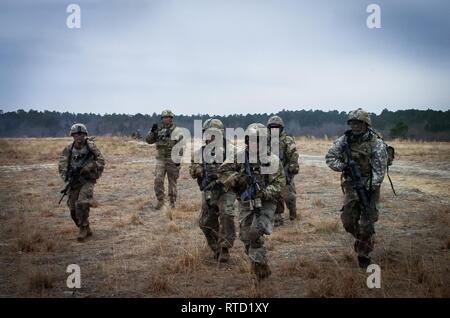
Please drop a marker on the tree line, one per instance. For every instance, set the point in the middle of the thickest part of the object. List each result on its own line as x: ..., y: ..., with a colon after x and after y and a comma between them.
x: 415, y: 124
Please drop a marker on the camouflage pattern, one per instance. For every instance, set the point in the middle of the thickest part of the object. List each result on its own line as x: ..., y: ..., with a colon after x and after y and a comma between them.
x: 217, y: 213
x: 289, y: 158
x: 361, y: 115
x: 81, y: 194
x: 254, y: 224
x: 78, y: 128
x: 164, y: 163
x: 75, y: 157
x: 275, y: 121
x: 167, y: 113
x: 367, y: 150
x: 370, y: 154
x: 214, y: 123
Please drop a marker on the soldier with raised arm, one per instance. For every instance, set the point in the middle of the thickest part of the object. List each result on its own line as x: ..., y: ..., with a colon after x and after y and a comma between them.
x: 161, y: 136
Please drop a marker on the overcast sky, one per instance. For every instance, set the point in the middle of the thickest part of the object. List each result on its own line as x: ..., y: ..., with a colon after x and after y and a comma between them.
x: 223, y: 57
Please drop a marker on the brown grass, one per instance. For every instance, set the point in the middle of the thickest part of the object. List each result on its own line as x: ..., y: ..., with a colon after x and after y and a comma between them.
x: 336, y: 284
x: 39, y: 281
x: 187, y: 261
x: 318, y: 203
x: 135, y: 220
x: 323, y: 225
x: 158, y: 285
x: 137, y: 251
x: 31, y: 240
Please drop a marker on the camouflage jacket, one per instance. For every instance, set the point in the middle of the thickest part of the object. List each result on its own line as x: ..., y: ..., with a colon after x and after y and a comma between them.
x: 162, y: 138
x: 71, y: 158
x: 367, y: 150
x: 288, y: 154
x: 232, y: 175
x: 197, y: 171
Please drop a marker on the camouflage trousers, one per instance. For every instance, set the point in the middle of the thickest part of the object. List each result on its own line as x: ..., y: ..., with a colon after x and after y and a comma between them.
x: 360, y: 225
x: 253, y: 226
x: 288, y: 196
x: 172, y: 170
x: 79, y: 202
x: 217, y: 219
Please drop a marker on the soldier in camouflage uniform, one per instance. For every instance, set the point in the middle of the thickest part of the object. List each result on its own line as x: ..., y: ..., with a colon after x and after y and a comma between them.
x: 289, y: 158
x: 370, y: 154
x: 217, y: 213
x: 255, y: 216
x: 162, y: 137
x: 81, y: 154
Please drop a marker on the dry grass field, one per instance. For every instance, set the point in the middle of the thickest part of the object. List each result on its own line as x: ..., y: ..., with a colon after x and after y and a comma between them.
x: 139, y: 252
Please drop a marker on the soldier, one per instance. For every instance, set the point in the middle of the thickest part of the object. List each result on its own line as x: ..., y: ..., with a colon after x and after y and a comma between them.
x: 257, y: 194
x: 360, y: 211
x: 162, y: 137
x: 289, y: 158
x: 217, y: 213
x: 82, y: 155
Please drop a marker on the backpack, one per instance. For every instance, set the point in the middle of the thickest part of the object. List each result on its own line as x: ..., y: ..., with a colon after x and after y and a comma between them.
x: 390, y: 157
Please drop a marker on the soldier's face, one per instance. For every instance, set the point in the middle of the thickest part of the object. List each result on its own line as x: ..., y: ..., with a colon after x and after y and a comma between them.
x: 167, y: 120
x: 357, y: 126
x: 78, y: 137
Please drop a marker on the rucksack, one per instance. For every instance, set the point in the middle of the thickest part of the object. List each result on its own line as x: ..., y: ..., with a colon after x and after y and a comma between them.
x: 390, y: 157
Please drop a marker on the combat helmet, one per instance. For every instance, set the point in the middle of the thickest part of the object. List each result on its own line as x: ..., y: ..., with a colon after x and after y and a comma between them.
x: 359, y: 114
x: 167, y: 113
x: 275, y: 121
x: 255, y: 129
x: 78, y: 128
x: 213, y: 123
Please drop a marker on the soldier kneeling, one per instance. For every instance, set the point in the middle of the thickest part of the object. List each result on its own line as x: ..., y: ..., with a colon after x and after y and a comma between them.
x: 80, y: 165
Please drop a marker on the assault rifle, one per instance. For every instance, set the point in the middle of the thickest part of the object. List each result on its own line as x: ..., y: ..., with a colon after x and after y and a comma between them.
x: 74, y: 176
x: 250, y: 194
x: 354, y: 171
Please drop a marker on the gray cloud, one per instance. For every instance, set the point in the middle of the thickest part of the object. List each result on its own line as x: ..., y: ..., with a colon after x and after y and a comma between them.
x: 223, y: 56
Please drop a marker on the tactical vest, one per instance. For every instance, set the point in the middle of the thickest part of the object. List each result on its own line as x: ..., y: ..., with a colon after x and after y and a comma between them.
x: 77, y: 156
x: 362, y: 149
x: 163, y: 143
x: 213, y: 167
x: 282, y: 148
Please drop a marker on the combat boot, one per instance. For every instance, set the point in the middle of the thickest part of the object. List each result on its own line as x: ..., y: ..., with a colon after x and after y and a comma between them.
x: 82, y: 234
x: 262, y: 271
x: 224, y: 255
x: 278, y: 220
x: 159, y: 205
